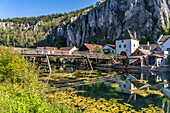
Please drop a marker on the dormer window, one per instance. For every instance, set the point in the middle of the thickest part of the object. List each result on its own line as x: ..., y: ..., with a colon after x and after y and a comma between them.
x: 123, y: 34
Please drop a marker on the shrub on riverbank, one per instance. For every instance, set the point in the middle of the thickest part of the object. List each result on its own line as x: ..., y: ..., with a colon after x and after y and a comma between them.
x: 20, y: 89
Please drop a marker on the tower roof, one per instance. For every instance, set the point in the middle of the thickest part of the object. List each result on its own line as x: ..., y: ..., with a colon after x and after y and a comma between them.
x: 126, y: 35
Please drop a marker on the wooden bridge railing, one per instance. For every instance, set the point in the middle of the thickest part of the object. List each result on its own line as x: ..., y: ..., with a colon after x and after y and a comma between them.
x: 77, y: 53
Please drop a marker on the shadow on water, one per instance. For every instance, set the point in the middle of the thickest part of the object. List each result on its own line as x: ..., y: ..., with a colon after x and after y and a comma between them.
x: 131, y: 81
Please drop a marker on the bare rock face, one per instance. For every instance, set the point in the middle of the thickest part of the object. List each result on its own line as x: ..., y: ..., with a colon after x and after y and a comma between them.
x: 107, y: 21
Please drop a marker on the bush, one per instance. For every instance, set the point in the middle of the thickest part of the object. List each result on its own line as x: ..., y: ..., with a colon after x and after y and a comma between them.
x: 21, y: 91
x: 98, y: 50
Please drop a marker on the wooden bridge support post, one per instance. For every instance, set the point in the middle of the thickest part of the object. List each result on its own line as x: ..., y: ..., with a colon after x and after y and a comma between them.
x: 49, y: 66
x: 88, y: 61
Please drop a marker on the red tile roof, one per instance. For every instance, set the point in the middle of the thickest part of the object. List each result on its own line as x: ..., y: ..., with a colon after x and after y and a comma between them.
x: 113, y: 46
x: 40, y: 48
x: 92, y: 47
x: 51, y: 48
x: 65, y: 48
x: 48, y: 48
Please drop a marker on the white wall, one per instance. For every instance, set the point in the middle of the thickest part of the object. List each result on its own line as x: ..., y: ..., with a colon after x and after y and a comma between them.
x: 166, y: 45
x: 126, y: 85
x: 106, y: 47
x: 158, y: 61
x: 136, y: 43
x: 72, y: 50
x: 129, y: 46
x: 165, y: 60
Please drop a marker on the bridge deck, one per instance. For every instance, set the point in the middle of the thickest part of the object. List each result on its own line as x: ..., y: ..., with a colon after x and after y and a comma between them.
x: 74, y: 55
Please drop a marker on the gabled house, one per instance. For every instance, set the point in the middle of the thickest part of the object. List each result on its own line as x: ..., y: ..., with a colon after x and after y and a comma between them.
x: 89, y: 47
x: 69, y: 50
x: 50, y: 50
x: 126, y: 44
x: 40, y: 50
x: 155, y: 59
x: 46, y: 50
x: 139, y: 57
x: 108, y: 48
x: 164, y: 41
x: 151, y: 47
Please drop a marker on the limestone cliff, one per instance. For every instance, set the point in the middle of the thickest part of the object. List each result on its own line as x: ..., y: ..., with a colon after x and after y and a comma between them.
x: 108, y: 20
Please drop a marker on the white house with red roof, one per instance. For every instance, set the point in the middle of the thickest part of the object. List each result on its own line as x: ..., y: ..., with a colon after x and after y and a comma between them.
x: 46, y: 50
x: 68, y: 50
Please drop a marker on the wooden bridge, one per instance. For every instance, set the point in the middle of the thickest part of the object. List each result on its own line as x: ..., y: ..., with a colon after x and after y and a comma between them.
x: 44, y: 58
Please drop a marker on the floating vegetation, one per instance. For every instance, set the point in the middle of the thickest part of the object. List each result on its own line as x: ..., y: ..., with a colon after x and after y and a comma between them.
x: 154, y: 92
x: 48, y: 78
x: 68, y: 96
x: 84, y: 78
x: 143, y: 81
x: 140, y: 92
x: 114, y: 85
x: 90, y: 85
x: 104, y: 74
x: 80, y: 72
x: 95, y: 75
x: 144, y: 93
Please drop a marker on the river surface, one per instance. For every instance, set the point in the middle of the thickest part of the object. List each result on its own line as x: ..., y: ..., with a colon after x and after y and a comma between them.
x: 153, y: 81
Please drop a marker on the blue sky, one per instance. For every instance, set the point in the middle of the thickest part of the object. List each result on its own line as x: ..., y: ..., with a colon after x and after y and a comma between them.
x: 29, y: 8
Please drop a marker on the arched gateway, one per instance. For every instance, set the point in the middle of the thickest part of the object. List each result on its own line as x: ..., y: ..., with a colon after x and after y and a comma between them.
x: 123, y: 53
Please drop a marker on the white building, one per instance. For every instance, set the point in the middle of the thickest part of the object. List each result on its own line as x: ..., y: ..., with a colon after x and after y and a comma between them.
x: 126, y: 85
x: 69, y: 50
x: 108, y: 48
x: 46, y: 50
x: 126, y: 44
x: 164, y: 41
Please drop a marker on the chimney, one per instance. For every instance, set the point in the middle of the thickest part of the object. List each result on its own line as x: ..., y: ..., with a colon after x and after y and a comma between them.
x: 148, y: 43
x: 135, y: 34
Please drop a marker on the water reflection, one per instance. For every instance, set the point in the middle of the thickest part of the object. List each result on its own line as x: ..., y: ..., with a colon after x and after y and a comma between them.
x: 131, y: 81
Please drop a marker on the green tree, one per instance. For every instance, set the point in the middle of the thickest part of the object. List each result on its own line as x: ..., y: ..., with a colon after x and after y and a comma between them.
x: 98, y: 50
x: 60, y: 42
x: 143, y: 40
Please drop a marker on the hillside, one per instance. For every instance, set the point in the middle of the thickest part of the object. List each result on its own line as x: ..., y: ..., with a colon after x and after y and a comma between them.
x: 38, y: 31
x: 101, y: 23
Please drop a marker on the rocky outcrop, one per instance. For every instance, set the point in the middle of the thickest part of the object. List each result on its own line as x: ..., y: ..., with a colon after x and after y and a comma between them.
x: 107, y: 21
x: 5, y: 25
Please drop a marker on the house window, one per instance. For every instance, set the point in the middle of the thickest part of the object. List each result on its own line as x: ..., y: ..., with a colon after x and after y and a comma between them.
x: 134, y: 45
x: 119, y: 46
x: 137, y: 53
x: 124, y: 46
x: 168, y: 49
x: 122, y: 40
